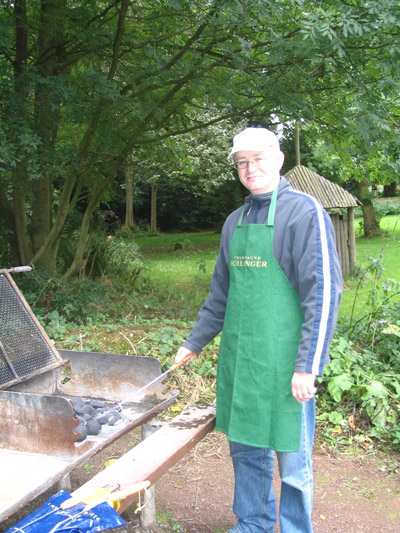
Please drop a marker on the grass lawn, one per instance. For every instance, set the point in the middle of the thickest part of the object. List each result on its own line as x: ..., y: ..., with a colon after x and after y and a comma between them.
x: 182, y: 264
x: 386, y: 246
x: 182, y: 271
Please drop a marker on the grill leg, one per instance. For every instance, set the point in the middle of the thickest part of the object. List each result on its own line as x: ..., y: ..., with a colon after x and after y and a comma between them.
x: 148, y: 513
x: 65, y: 484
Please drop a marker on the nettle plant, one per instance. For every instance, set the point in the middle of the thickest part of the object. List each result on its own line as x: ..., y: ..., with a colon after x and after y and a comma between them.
x: 361, y: 385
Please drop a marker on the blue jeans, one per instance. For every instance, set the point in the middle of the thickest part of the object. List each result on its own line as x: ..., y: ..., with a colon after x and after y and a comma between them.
x: 254, y: 501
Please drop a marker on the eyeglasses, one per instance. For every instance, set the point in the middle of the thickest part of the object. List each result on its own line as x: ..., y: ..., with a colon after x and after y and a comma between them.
x: 244, y: 163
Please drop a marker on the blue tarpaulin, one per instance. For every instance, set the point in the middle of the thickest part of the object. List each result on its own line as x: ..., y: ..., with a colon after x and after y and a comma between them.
x: 50, y: 518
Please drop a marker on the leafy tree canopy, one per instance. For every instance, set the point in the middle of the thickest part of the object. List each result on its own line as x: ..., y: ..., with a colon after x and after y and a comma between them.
x: 86, y: 84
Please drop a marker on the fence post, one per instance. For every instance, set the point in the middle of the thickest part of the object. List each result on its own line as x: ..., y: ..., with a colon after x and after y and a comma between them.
x: 148, y: 513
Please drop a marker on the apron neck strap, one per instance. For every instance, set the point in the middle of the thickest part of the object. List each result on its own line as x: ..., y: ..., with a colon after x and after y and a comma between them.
x: 241, y: 216
x: 271, y: 211
x: 272, y: 207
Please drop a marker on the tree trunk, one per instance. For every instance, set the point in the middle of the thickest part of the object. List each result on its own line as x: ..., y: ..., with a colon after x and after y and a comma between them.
x: 129, y: 220
x: 7, y: 212
x: 46, y: 231
x: 42, y: 220
x: 390, y: 190
x: 87, y: 140
x: 153, y: 219
x: 78, y: 263
x: 371, y: 226
x: 47, y: 116
x: 19, y: 211
x: 297, y: 143
x: 20, y: 220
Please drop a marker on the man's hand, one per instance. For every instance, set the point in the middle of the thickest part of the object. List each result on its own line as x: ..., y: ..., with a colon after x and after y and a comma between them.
x: 303, y: 388
x: 182, y: 353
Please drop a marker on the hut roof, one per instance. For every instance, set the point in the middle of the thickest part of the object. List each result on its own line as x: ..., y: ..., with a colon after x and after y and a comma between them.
x: 329, y: 194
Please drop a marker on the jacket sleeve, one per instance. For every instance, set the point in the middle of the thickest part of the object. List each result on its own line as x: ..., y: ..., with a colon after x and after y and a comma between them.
x: 319, y: 284
x: 211, y: 315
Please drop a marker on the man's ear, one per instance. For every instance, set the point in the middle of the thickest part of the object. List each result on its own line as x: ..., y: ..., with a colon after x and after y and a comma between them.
x: 281, y: 156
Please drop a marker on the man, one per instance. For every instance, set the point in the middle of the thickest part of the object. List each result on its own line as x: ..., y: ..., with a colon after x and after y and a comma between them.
x: 274, y: 294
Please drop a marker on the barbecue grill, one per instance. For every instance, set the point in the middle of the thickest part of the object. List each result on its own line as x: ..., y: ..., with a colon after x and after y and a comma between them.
x: 38, y: 441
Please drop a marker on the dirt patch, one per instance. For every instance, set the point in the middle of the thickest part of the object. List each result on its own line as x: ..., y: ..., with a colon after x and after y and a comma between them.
x: 353, y: 493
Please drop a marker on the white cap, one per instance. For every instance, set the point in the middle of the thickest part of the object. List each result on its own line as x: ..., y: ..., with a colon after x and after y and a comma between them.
x: 254, y: 139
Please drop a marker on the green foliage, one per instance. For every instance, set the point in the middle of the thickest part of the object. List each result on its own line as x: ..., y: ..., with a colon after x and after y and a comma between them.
x: 163, y: 342
x: 6, y: 260
x: 193, y: 200
x: 142, y: 79
x: 386, y: 207
x: 359, y: 396
x: 381, y: 314
x: 169, y: 521
x: 384, y: 246
x: 121, y: 261
x: 116, y: 258
x: 143, y: 229
x: 55, y: 323
x: 58, y: 302
x: 125, y: 233
x: 361, y: 384
x: 382, y: 208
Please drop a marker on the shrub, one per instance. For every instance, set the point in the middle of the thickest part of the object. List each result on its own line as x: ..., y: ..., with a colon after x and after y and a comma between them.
x: 116, y: 258
x: 56, y: 301
x: 6, y: 260
x: 361, y: 393
x: 121, y: 261
x: 361, y: 384
x: 104, y: 290
x: 386, y: 207
x: 382, y: 208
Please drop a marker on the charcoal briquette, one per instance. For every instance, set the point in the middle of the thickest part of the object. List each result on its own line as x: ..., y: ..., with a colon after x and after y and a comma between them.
x: 93, y: 427
x: 84, y: 433
x: 77, y: 402
x: 113, y: 419
x: 97, y: 404
x: 103, y: 419
x: 88, y: 409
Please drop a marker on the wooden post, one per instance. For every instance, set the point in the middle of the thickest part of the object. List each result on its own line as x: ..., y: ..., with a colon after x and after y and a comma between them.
x: 153, y: 215
x: 148, y: 513
x: 352, y: 239
x: 345, y: 249
x: 65, y: 483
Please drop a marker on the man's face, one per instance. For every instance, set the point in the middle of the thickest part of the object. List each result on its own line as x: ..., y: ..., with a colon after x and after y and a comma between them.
x: 259, y: 172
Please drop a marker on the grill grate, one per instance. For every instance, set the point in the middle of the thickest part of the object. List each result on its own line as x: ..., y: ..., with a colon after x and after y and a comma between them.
x: 25, y: 349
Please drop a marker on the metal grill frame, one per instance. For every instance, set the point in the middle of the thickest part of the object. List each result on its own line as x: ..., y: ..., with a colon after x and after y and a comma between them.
x: 13, y: 375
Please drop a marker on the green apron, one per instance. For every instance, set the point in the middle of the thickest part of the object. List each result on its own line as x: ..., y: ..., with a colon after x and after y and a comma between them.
x: 260, y: 339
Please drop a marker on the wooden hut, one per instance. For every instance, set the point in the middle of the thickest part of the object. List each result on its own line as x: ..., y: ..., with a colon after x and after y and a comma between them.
x: 334, y: 199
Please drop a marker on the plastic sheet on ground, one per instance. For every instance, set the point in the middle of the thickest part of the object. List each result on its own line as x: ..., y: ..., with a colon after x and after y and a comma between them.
x: 50, y: 518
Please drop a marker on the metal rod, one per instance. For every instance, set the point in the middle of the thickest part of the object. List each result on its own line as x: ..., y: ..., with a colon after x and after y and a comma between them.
x: 140, y: 391
x: 155, y: 380
x: 8, y: 360
x: 158, y: 378
x: 15, y: 270
x: 134, y: 395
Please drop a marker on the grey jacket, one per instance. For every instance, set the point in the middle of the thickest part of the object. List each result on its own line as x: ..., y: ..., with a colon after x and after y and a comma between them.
x: 304, y: 246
